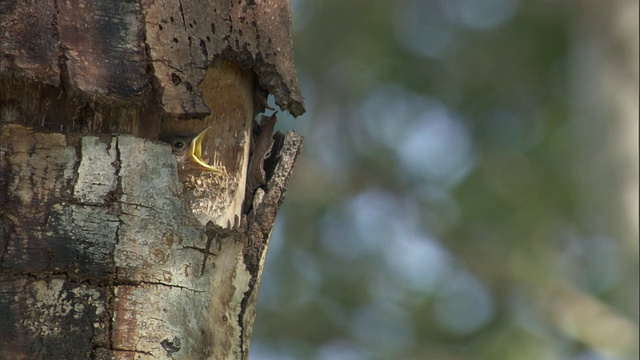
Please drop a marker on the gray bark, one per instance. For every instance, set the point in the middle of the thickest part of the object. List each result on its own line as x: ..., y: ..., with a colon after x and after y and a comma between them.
x: 107, y: 251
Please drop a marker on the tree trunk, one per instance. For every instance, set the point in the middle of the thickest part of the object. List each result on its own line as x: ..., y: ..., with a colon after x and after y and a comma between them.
x: 110, y: 247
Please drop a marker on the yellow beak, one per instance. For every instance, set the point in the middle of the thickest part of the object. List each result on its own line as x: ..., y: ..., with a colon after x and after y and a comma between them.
x: 195, y: 152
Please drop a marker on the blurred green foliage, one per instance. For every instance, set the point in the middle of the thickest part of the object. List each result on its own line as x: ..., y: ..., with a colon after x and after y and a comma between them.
x: 448, y: 204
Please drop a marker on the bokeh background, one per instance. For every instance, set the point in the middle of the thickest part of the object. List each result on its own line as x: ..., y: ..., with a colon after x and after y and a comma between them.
x: 468, y: 187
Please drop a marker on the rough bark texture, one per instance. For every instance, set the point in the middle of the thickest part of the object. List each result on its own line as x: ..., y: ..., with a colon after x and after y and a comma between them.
x: 107, y: 251
x: 66, y: 64
x: 100, y: 259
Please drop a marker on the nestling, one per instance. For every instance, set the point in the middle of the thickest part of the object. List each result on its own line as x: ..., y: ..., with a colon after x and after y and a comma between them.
x: 188, y: 151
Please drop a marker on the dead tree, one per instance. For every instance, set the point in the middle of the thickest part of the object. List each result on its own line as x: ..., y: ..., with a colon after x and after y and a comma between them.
x: 113, y: 244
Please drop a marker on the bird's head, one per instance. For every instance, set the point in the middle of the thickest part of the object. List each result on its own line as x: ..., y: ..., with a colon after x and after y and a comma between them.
x: 188, y: 150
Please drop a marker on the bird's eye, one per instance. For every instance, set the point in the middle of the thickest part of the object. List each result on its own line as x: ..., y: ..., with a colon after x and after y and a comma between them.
x: 179, y: 144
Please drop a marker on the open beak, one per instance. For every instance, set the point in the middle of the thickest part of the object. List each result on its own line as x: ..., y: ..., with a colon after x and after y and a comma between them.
x: 195, y: 152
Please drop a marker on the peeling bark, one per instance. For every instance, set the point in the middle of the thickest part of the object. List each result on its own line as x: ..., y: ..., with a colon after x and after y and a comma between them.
x: 123, y: 66
x: 107, y: 251
x: 101, y: 256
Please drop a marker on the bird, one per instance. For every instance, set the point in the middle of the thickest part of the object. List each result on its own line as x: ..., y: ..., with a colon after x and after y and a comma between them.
x: 205, y: 188
x: 188, y: 151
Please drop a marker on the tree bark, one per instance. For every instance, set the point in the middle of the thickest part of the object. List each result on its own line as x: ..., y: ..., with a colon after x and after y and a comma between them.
x: 107, y: 250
